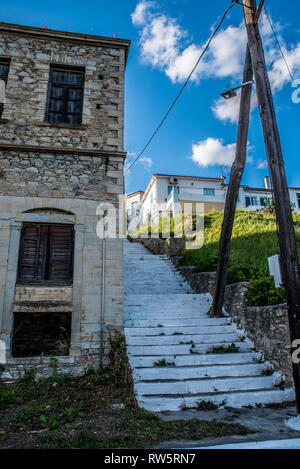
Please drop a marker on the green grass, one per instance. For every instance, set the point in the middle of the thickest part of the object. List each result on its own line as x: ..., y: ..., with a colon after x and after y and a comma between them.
x: 144, y: 427
x: 254, y: 239
x: 85, y: 412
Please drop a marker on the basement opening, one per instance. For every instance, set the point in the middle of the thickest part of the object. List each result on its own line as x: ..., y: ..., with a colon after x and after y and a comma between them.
x: 37, y: 334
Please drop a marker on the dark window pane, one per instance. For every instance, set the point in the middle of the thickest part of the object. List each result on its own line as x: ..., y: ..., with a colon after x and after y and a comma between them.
x: 262, y: 201
x: 65, y: 96
x: 4, y: 69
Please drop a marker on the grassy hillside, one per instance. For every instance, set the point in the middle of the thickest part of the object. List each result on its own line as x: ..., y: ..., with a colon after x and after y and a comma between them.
x: 254, y: 239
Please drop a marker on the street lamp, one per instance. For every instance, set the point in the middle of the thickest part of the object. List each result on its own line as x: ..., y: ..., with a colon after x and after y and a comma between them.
x: 231, y: 92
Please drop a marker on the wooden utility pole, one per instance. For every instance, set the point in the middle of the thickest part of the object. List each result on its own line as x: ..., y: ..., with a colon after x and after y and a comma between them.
x: 286, y: 232
x: 236, y: 175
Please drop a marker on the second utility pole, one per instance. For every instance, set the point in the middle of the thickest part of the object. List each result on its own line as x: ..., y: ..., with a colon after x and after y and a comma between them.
x: 286, y: 231
x: 236, y: 175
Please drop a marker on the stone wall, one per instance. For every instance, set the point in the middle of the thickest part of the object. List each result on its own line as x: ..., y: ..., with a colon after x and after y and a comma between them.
x: 31, y: 51
x: 171, y: 246
x: 37, y: 173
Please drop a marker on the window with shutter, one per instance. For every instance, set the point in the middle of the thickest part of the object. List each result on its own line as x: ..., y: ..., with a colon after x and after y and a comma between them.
x: 65, y: 95
x: 46, y: 253
x: 4, y: 69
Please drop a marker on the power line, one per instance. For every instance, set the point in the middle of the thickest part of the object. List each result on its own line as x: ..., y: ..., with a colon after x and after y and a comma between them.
x: 278, y: 43
x: 233, y: 3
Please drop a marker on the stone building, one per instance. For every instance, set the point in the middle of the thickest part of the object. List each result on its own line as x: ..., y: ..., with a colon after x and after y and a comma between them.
x: 61, y: 155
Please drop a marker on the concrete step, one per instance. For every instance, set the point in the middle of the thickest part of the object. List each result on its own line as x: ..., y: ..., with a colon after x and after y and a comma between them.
x: 181, y: 339
x: 196, y: 360
x: 235, y: 400
x: 154, y: 316
x: 204, y: 386
x: 182, y: 349
x: 183, y: 331
x: 176, y: 322
x: 165, y: 298
x: 195, y: 372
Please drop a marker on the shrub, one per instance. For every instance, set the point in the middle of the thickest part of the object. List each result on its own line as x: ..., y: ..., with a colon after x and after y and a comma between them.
x: 7, y: 397
x: 242, y: 272
x: 208, y: 263
x: 264, y: 293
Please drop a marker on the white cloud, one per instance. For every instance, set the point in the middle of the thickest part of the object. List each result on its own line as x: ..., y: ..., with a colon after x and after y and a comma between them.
x: 146, y: 162
x: 228, y: 110
x: 262, y: 164
x: 227, y: 52
x: 159, y: 41
x: 182, y: 65
x: 163, y: 45
x: 279, y: 75
x: 211, y: 152
x: 139, y: 15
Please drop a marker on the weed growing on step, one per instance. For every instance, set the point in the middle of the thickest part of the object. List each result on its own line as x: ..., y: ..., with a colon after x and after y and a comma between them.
x: 163, y: 363
x: 207, y: 405
x: 282, y: 405
x: 260, y: 360
x: 281, y: 385
x: 222, y: 349
x: 269, y: 371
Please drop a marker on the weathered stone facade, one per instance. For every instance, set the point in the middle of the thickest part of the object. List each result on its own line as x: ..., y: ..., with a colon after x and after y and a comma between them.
x: 31, y: 51
x: 58, y: 174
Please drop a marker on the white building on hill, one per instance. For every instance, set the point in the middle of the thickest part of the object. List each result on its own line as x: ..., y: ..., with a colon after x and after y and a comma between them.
x: 167, y: 194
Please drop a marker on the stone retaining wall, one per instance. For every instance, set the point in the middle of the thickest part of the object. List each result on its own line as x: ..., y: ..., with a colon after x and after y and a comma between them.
x: 170, y: 247
x: 266, y: 326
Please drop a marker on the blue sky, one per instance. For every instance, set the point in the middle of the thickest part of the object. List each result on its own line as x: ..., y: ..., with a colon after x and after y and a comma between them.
x: 167, y: 37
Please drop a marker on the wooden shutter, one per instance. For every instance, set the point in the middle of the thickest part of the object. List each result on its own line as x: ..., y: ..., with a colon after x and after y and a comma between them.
x: 33, y: 252
x: 46, y: 253
x: 60, y: 253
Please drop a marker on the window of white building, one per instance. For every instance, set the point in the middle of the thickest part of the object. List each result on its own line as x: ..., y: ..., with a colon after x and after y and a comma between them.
x: 210, y: 192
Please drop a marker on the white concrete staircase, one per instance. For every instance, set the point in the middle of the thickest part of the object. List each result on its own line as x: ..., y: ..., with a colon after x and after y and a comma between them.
x: 170, y: 340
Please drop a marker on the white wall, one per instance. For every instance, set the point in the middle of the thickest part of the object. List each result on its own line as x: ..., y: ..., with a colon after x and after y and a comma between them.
x: 193, y: 190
